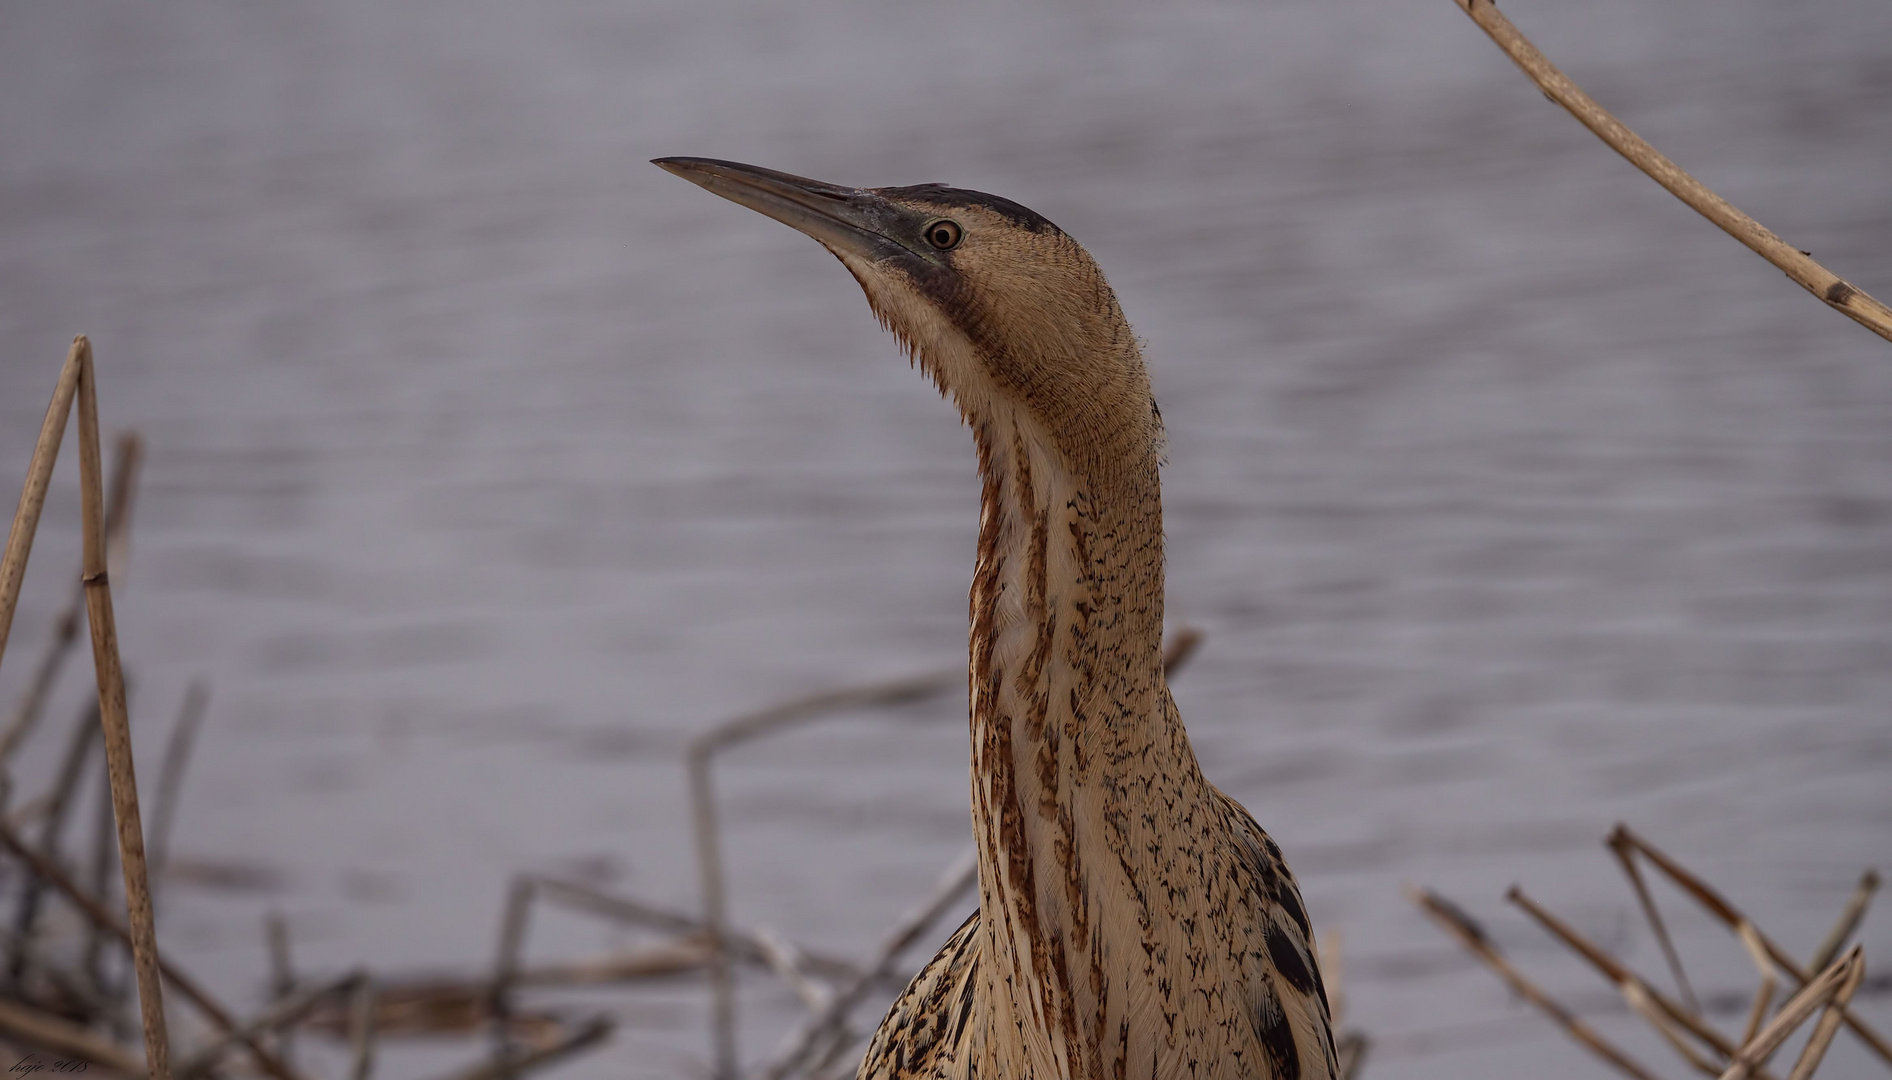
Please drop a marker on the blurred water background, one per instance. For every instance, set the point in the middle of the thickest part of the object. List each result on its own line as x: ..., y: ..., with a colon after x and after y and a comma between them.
x: 488, y: 463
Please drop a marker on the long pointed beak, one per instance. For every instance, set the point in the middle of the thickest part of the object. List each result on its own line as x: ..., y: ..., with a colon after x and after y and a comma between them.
x: 846, y: 220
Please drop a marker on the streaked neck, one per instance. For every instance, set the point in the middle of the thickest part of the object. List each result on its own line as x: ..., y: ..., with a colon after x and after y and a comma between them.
x: 1071, y: 729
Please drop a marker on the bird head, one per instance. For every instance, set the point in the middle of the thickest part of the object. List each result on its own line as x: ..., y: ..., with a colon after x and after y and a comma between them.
x: 1009, y: 316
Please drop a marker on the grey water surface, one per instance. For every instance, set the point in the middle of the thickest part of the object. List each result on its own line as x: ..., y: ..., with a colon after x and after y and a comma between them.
x: 488, y: 463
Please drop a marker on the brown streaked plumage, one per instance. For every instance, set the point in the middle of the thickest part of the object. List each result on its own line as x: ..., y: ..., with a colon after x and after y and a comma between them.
x: 1134, y: 923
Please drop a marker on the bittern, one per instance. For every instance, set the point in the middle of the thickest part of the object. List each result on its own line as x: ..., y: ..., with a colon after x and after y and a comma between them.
x: 1133, y: 922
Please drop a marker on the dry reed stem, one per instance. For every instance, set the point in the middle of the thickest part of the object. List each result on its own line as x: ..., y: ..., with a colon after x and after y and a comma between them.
x: 39, y: 474
x: 104, y: 856
x: 185, y: 984
x: 1472, y: 937
x: 282, y: 973
x: 361, y: 1029
x: 1708, y: 898
x: 177, y: 752
x: 1350, y: 1053
x: 77, y: 998
x: 592, y: 1031
x: 824, y: 1027
x: 1823, y: 1032
x: 283, y: 1013
x: 707, y: 834
x: 117, y: 724
x: 673, y: 958
x: 1636, y: 996
x: 512, y: 933
x: 1796, y: 264
x: 64, y: 1037
x: 1820, y: 991
x: 745, y: 943
x: 787, y: 961
x: 1626, y: 858
x: 1770, y: 984
x: 1661, y: 1012
x: 127, y: 457
x: 1849, y: 918
x: 65, y: 786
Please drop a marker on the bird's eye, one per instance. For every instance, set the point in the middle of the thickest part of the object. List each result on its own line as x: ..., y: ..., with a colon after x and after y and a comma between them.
x: 944, y: 234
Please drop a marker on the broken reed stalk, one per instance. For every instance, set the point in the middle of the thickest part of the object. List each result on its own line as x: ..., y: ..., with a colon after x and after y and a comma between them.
x: 127, y: 457
x: 1830, y: 1017
x: 39, y: 474
x: 1821, y: 991
x: 1472, y: 937
x: 1837, y: 293
x: 1734, y: 920
x: 117, y: 724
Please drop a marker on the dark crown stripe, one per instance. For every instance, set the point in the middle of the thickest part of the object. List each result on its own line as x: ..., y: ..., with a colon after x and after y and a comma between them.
x: 941, y: 195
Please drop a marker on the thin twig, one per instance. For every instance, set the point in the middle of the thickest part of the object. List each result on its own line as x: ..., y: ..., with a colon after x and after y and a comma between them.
x: 1796, y: 264
x: 39, y: 473
x: 177, y: 752
x: 114, y: 716
x: 1455, y: 922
